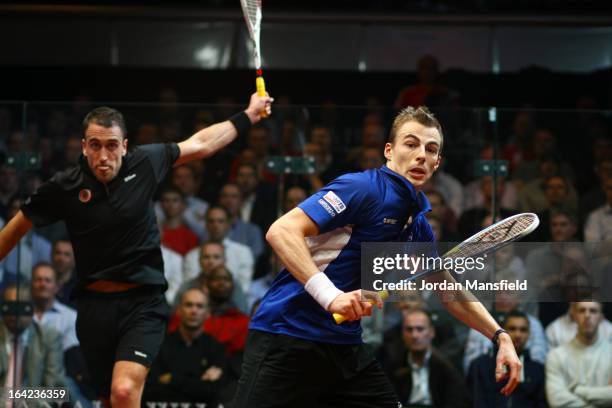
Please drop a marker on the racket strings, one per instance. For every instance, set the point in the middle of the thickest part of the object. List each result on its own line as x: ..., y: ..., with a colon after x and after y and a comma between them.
x: 487, y: 240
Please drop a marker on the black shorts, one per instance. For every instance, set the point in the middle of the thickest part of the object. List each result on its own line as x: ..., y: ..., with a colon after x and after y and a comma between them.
x: 284, y: 371
x: 126, y: 326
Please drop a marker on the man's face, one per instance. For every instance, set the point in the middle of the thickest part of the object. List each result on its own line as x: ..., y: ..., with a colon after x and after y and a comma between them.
x: 587, y: 316
x: 220, y: 285
x: 172, y: 204
x: 211, y: 256
x: 230, y: 198
x: 246, y: 180
x: 518, y: 328
x: 555, y: 190
x: 193, y: 310
x: 259, y: 140
x: 418, y: 332
x: 295, y: 195
x: 322, y: 137
x: 104, y: 149
x: 562, y: 229
x: 15, y: 324
x: 543, y: 142
x: 415, y: 152
x: 62, y: 257
x: 183, y: 179
x: 217, y: 225
x: 44, y: 285
x: 370, y: 159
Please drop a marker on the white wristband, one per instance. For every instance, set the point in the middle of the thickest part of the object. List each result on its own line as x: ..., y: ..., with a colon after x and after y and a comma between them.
x: 322, y: 289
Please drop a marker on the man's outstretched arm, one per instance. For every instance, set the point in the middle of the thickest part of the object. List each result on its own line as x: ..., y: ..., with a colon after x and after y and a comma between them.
x: 209, y: 140
x: 466, y: 308
x: 12, y: 232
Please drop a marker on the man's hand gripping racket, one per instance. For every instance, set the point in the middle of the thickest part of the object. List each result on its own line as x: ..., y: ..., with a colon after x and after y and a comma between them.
x: 252, y: 16
x: 488, y: 240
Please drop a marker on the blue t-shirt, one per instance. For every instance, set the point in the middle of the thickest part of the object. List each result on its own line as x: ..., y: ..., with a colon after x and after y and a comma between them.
x: 372, y: 206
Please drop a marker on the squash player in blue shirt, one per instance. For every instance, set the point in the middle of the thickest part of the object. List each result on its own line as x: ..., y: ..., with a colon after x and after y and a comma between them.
x: 296, y: 355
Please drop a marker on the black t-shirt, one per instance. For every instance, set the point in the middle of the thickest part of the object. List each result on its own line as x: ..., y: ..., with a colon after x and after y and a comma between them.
x: 112, y: 227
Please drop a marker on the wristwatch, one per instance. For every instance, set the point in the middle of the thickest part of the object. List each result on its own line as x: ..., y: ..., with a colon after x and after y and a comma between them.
x: 496, y: 336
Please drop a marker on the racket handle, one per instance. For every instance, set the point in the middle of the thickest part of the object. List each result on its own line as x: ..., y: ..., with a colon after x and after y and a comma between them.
x: 340, y: 318
x: 260, y: 84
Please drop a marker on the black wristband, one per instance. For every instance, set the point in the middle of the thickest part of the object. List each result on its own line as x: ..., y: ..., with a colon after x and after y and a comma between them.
x: 496, y: 336
x: 241, y: 122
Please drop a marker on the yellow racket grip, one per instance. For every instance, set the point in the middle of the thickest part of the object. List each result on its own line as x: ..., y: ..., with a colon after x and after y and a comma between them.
x: 339, y: 318
x: 260, y: 84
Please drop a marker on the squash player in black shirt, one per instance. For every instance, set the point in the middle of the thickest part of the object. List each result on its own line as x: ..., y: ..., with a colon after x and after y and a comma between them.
x: 106, y: 202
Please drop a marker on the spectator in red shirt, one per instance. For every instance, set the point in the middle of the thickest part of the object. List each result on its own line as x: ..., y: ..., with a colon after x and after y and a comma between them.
x: 174, y: 232
x: 228, y: 325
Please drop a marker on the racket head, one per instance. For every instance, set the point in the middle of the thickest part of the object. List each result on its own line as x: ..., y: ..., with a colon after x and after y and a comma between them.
x: 251, y: 9
x: 488, y: 240
x: 497, y: 235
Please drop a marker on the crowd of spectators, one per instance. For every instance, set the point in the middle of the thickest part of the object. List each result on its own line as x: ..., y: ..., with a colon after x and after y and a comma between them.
x: 213, y: 216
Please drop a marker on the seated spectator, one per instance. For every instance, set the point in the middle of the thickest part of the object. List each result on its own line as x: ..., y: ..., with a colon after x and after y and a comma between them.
x: 54, y: 315
x: 240, y: 231
x: 444, y: 213
x: 450, y: 188
x: 543, y: 145
x: 578, y: 372
x: 226, y: 323
x: 39, y: 349
x: 62, y: 260
x: 563, y: 329
x: 48, y: 311
x: 471, y: 220
x: 557, y: 199
x: 191, y: 365
x: 596, y: 197
x: 519, y: 144
x: 32, y: 249
x: 258, y: 197
x: 239, y: 258
x: 544, y: 262
x: 212, y: 255
x: 472, y: 194
x: 175, y: 234
x: 554, y: 192
x: 293, y: 197
x: 428, y: 90
x: 327, y: 168
x: 370, y: 158
x: 506, y: 302
x: 422, y: 377
x: 486, y: 392
x: 598, y: 227
x: 186, y: 179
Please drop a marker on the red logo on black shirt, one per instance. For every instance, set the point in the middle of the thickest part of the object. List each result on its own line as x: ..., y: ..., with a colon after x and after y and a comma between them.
x: 85, y: 195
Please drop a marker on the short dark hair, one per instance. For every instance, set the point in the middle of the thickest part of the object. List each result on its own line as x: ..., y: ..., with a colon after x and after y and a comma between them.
x: 420, y: 115
x: 517, y: 314
x: 172, y: 190
x: 570, y: 215
x: 106, y: 117
x: 220, y: 208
